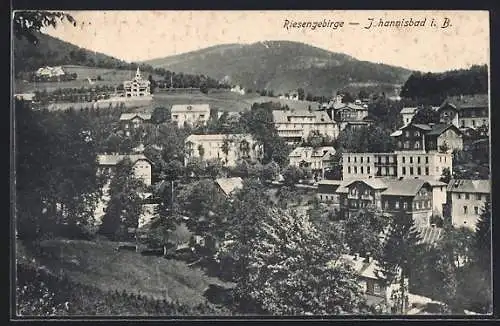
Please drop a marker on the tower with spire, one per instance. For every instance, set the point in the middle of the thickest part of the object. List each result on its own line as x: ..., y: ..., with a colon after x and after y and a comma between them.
x: 138, y: 87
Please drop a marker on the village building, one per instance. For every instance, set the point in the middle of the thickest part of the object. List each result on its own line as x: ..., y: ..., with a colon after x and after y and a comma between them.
x: 372, y: 280
x: 296, y: 125
x: 137, y: 87
x: 142, y: 166
x: 465, y: 111
x: 428, y: 137
x: 349, y: 114
x: 407, y: 114
x: 465, y: 201
x: 191, y: 114
x: 228, y: 148
x: 238, y: 89
x: 317, y: 159
x: 422, y: 165
x: 132, y: 121
x: 48, y: 72
x: 413, y: 197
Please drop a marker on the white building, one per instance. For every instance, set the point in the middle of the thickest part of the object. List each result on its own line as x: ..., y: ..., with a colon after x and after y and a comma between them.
x: 132, y: 121
x: 296, y: 125
x: 315, y: 158
x: 471, y: 111
x: 465, y: 201
x: 238, y: 89
x: 137, y: 87
x: 141, y: 165
x: 191, y: 114
x: 408, y: 113
x: 50, y: 71
x: 228, y: 148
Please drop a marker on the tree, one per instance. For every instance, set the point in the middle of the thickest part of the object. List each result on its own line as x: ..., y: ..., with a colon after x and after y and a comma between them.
x: 363, y: 230
x: 426, y: 115
x: 270, y: 171
x: 27, y: 23
x: 160, y: 115
x: 483, y: 238
x: 396, y: 259
x: 301, y: 94
x: 292, y: 175
x: 291, y: 272
x: 445, y: 176
x: 125, y: 205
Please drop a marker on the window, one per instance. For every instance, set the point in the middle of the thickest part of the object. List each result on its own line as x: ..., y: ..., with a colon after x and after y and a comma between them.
x: 411, y: 170
x: 405, y: 205
x: 403, y: 170
x: 418, y: 205
x: 467, y: 196
x: 386, y: 204
x: 368, y: 159
x: 458, y: 196
x: 419, y: 171
x: 417, y: 145
x: 407, y: 145
x: 348, y: 159
x: 349, y: 169
x: 361, y: 170
x: 368, y: 170
x: 407, y: 133
x: 465, y: 209
x: 355, y: 159
x: 473, y: 123
x: 476, y: 210
x: 478, y: 197
x: 417, y: 133
x: 404, y: 159
x: 445, y: 159
x: 411, y: 159
x: 440, y: 159
x: 427, y: 160
x: 355, y: 169
x: 396, y: 204
x: 400, y: 144
x: 361, y: 161
x: 418, y: 159
x: 386, y: 170
x: 426, y: 170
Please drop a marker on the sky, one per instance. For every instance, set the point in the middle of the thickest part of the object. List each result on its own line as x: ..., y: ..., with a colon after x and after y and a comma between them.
x: 136, y: 36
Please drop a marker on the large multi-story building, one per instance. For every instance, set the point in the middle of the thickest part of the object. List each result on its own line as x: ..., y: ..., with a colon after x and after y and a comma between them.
x: 296, y: 125
x: 191, y: 114
x: 428, y: 137
x: 422, y: 165
x: 317, y: 159
x: 228, y: 148
x: 465, y: 201
x: 137, y: 87
x: 393, y: 196
x: 467, y: 111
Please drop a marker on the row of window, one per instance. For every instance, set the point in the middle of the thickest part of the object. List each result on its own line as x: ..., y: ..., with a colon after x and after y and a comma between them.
x: 476, y: 210
x: 426, y: 204
x: 473, y: 123
x: 200, y: 116
x: 468, y: 196
x: 415, y: 133
x: 419, y: 170
x: 356, y: 170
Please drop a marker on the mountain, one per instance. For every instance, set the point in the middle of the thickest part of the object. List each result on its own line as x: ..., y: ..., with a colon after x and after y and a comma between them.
x: 51, y: 51
x: 283, y: 66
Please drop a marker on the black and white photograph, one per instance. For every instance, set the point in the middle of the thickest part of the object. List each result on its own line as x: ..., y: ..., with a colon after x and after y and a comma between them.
x: 238, y: 164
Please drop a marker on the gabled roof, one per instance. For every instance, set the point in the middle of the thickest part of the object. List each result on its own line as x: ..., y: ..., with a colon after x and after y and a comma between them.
x: 114, y: 159
x: 404, y: 187
x: 313, y: 152
x: 281, y: 116
x: 350, y: 106
x: 429, y: 235
x: 330, y: 182
x: 177, y: 108
x: 373, y: 183
x: 409, y: 110
x: 219, y: 137
x: 467, y: 101
x: 362, y: 267
x: 228, y: 185
x: 130, y: 116
x: 471, y: 186
x: 439, y: 128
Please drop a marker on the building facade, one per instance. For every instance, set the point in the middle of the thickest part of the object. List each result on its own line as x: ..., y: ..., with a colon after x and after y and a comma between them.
x: 428, y: 137
x: 137, y: 87
x: 191, y: 114
x: 465, y: 200
x: 317, y: 159
x: 393, y: 196
x: 407, y: 114
x: 296, y: 125
x: 142, y: 166
x: 228, y: 148
x: 466, y: 111
x: 132, y: 121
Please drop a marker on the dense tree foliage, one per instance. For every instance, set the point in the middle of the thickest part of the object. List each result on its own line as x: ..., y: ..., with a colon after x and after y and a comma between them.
x: 437, y: 86
x: 363, y: 230
x: 372, y: 139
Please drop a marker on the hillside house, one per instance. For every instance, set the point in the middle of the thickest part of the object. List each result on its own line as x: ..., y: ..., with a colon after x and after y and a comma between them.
x: 393, y: 196
x: 465, y: 111
x: 428, y: 137
x: 142, y: 166
x: 132, y: 121
x: 191, y: 114
x: 317, y: 159
x: 373, y: 282
x: 48, y: 72
x: 407, y: 113
x: 296, y: 125
x: 465, y: 201
x: 137, y: 87
x: 228, y: 148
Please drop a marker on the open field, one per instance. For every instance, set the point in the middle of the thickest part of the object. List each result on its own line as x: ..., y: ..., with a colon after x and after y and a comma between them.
x: 99, y: 264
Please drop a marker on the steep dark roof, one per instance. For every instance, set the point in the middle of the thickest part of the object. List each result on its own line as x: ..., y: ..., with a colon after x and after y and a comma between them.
x: 404, y: 187
x: 471, y: 186
x: 439, y: 128
x: 467, y: 101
